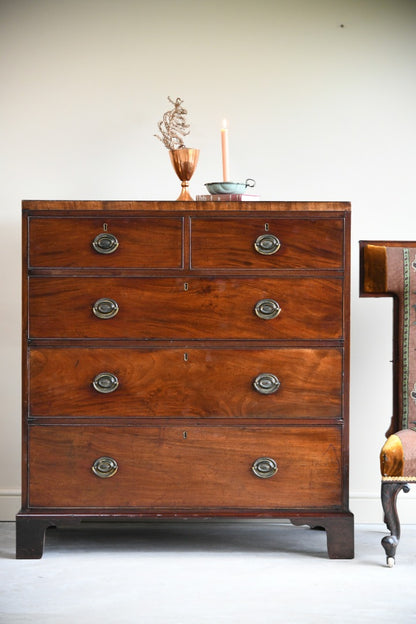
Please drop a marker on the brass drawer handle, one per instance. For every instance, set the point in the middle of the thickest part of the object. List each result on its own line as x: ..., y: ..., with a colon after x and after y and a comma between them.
x: 105, y: 308
x: 105, y: 383
x: 104, y: 467
x: 266, y: 383
x: 105, y: 243
x: 264, y: 467
x: 267, y: 244
x: 267, y: 309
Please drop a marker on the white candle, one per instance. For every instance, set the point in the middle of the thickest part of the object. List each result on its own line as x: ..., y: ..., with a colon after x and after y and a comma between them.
x: 224, y: 149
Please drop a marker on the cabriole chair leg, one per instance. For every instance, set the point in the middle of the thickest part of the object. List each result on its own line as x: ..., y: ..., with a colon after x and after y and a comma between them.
x: 389, y: 492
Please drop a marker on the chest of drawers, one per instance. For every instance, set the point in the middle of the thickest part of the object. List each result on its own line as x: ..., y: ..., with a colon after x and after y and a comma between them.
x: 185, y: 360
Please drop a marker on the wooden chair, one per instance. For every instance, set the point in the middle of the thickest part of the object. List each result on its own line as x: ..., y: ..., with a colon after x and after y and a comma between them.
x: 388, y: 268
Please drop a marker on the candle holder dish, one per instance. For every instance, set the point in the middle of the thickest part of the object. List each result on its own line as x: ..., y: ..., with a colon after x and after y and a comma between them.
x: 219, y: 188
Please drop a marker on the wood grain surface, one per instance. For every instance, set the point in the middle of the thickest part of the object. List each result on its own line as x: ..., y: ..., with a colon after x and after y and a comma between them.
x: 196, y: 308
x: 178, y: 383
x: 160, y: 468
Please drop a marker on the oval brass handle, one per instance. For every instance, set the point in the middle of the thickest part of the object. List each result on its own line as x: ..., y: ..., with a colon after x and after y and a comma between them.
x: 267, y: 244
x: 104, y: 467
x: 105, y: 383
x: 105, y: 243
x: 105, y: 308
x: 267, y: 309
x: 264, y: 467
x: 266, y: 383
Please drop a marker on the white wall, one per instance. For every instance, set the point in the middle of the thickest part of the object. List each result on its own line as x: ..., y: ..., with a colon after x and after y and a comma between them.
x: 317, y: 111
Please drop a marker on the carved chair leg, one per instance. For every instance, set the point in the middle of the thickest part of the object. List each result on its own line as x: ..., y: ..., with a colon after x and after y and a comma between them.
x: 389, y: 492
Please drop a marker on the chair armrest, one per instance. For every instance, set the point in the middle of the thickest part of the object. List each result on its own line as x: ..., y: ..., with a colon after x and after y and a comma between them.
x: 374, y: 270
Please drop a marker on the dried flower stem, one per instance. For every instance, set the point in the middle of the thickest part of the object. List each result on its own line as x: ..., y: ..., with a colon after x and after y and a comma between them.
x: 173, y: 126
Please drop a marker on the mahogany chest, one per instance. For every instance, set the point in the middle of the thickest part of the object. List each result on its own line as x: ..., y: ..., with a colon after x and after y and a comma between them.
x: 185, y: 360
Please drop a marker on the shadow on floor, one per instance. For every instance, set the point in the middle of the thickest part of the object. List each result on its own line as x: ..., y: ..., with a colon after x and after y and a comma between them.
x: 249, y: 537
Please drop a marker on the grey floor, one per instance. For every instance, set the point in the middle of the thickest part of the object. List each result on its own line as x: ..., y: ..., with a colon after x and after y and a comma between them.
x: 200, y: 573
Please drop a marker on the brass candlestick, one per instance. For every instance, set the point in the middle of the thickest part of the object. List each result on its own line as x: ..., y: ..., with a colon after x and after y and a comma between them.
x: 184, y: 161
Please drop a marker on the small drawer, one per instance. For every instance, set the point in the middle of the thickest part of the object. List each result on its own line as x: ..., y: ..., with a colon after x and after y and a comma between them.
x: 166, y: 468
x: 199, y: 308
x: 105, y: 242
x: 275, y: 243
x: 193, y: 383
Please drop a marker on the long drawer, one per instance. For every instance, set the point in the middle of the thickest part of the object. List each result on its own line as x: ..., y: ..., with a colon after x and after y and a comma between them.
x: 199, y: 308
x: 139, y: 382
x: 272, y: 243
x: 105, y: 242
x: 183, y: 468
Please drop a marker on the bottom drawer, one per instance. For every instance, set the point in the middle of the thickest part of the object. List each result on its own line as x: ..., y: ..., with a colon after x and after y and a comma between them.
x: 172, y: 467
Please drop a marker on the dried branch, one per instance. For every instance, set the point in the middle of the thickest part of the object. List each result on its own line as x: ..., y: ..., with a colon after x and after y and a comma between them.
x: 173, y: 126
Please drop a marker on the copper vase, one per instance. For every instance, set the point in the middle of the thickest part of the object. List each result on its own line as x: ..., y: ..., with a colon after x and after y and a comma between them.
x: 184, y: 162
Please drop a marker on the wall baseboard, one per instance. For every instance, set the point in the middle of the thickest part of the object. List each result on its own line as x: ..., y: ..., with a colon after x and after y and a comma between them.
x: 366, y: 507
x: 9, y: 504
